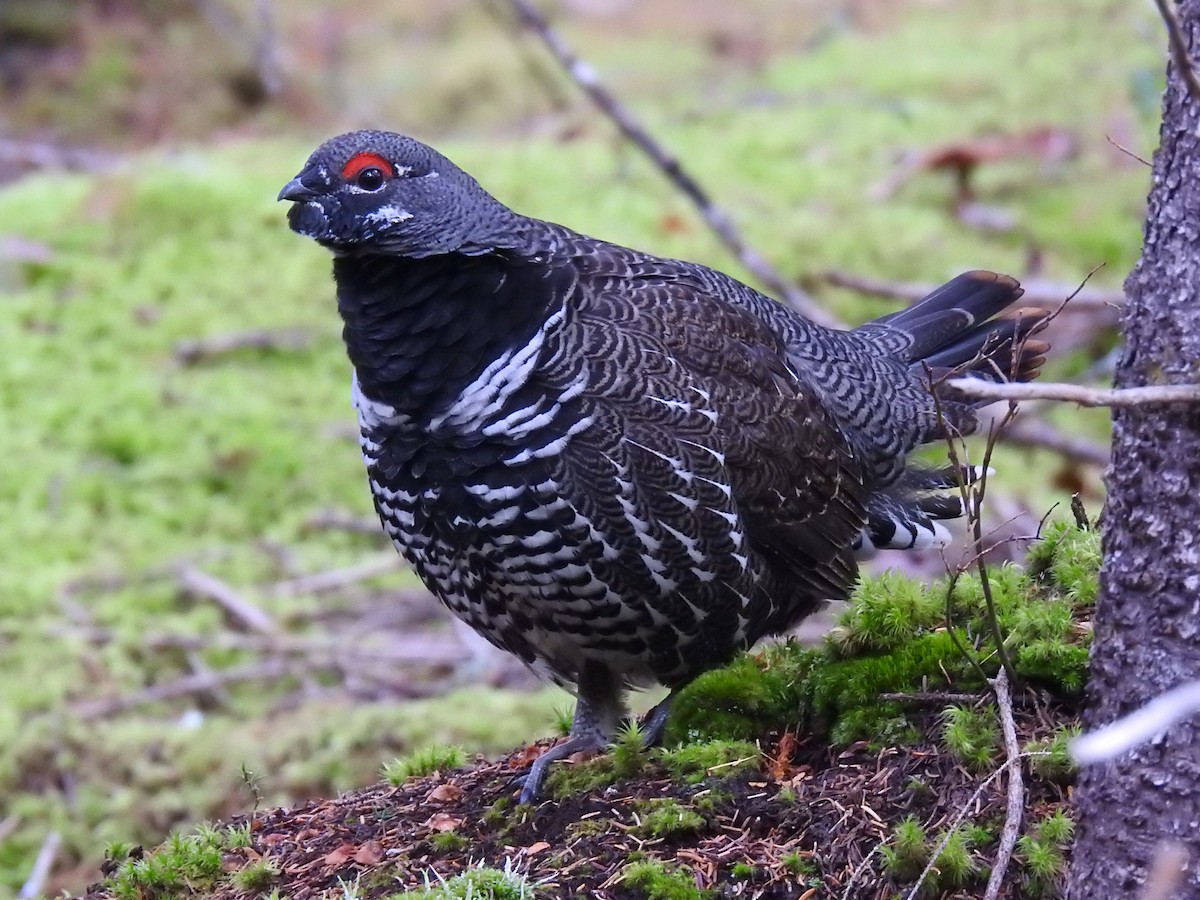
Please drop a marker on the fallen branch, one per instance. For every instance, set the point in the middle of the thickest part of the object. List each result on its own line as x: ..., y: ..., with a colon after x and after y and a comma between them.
x: 319, y: 582
x: 930, y: 698
x: 41, y: 867
x: 722, y: 225
x: 1044, y: 436
x: 191, y: 352
x: 1016, y: 789
x: 1179, y: 48
x: 336, y: 521
x: 981, y: 389
x: 197, y: 583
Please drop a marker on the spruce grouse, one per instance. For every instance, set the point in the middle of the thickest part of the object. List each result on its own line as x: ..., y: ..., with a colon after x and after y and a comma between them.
x: 621, y: 468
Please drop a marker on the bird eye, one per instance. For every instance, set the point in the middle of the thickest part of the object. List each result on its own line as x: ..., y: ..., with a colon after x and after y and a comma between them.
x: 371, y: 179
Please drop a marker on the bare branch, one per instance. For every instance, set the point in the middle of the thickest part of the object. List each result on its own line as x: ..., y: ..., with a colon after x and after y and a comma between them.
x: 320, y: 582
x: 1016, y: 789
x: 718, y: 220
x: 981, y: 389
x: 198, y: 350
x: 200, y: 584
x: 41, y: 867
x: 1179, y: 48
x: 1139, y: 726
x: 1044, y: 436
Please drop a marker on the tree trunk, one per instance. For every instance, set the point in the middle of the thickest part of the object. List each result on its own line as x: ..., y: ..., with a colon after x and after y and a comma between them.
x: 1147, y: 627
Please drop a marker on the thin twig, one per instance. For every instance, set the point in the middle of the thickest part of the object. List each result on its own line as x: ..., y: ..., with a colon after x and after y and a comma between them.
x: 981, y: 389
x: 8, y: 825
x: 198, y: 350
x: 1129, y: 153
x: 200, y: 584
x: 963, y: 812
x: 1044, y: 436
x: 41, y: 867
x: 1179, y: 48
x: 1016, y: 789
x: 319, y: 582
x: 933, y: 698
x: 722, y: 225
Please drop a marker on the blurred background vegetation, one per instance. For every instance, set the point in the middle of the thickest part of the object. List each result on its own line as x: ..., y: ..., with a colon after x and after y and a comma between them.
x: 196, y: 614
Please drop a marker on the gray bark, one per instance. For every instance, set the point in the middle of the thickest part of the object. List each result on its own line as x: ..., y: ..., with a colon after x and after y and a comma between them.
x: 1147, y: 626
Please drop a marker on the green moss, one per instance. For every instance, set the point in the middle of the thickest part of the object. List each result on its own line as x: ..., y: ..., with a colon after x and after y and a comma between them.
x: 799, y: 864
x: 1040, y: 854
x: 448, y: 842
x: 183, y: 866
x: 478, y: 884
x: 656, y: 880
x: 694, y: 763
x: 666, y: 818
x: 906, y: 854
x: 425, y: 761
x: 972, y: 736
x: 256, y: 876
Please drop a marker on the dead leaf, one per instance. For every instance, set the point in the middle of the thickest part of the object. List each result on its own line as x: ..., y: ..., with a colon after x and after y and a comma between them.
x: 340, y: 855
x: 443, y: 822
x: 444, y: 793
x: 536, y: 848
x: 369, y: 854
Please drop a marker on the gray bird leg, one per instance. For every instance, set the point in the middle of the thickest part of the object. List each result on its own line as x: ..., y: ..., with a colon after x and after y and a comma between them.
x: 598, y: 713
x: 655, y: 721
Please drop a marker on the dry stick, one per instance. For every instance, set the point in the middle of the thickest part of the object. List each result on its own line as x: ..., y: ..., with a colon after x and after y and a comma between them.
x: 319, y: 582
x: 1044, y: 436
x: 1016, y: 789
x: 585, y: 76
x: 972, y: 497
x: 201, y: 584
x: 8, y: 825
x: 981, y: 389
x: 930, y: 697
x: 41, y: 867
x: 1179, y: 48
x: 190, y: 352
x: 964, y: 811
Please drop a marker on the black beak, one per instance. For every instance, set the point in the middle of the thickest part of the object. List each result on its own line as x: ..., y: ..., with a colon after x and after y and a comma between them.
x: 297, y: 190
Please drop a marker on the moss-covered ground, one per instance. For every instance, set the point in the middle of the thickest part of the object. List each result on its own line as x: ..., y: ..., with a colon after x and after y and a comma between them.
x: 845, y: 768
x: 123, y: 461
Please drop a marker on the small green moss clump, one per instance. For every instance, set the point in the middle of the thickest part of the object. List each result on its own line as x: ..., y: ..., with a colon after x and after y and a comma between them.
x: 423, y: 762
x: 255, y: 877
x: 908, y: 853
x: 799, y: 864
x: 694, y: 763
x: 658, y: 881
x: 666, y: 818
x: 448, y: 842
x: 1040, y: 854
x: 1050, y: 758
x: 183, y: 865
x: 477, y: 884
x: 973, y: 736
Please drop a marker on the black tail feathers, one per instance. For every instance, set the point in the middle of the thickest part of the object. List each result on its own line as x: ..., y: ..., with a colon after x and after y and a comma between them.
x: 967, y: 326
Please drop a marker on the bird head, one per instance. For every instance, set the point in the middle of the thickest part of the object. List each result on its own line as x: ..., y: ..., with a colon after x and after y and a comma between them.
x: 371, y: 192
